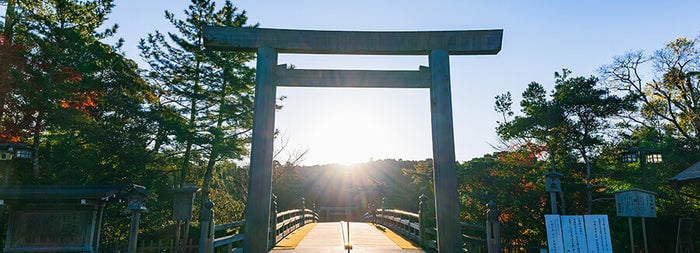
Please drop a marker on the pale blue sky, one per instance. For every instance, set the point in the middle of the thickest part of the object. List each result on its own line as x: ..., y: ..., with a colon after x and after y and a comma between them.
x: 356, y: 125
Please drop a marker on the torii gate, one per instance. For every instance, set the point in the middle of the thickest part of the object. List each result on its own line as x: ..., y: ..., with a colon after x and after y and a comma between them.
x: 438, y: 45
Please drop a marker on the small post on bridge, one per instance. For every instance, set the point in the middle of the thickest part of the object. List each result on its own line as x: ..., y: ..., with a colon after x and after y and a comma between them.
x: 272, y: 231
x: 206, y: 236
x: 493, y: 229
x: 423, y: 220
x: 383, y: 208
x: 302, y: 205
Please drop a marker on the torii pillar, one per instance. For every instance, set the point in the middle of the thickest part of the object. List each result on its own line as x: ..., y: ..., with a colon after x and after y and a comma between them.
x: 437, y: 45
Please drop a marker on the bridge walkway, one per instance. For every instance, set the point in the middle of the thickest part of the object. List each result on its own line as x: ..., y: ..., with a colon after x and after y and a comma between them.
x: 332, y: 236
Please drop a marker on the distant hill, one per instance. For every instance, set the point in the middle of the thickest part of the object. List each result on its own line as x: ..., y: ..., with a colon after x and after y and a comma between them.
x: 358, y: 185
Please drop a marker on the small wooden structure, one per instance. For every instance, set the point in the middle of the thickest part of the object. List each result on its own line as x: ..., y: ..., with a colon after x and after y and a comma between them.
x: 60, y: 218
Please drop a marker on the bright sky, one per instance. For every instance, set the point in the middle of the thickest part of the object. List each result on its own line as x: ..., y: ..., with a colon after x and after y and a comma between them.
x: 356, y: 125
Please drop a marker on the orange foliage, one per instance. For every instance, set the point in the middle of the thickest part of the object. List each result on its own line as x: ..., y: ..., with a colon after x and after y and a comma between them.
x: 83, y: 102
x: 8, y: 138
x: 504, y: 216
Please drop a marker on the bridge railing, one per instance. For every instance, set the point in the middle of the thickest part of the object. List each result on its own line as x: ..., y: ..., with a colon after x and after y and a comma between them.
x: 281, y: 225
x: 405, y: 223
x: 419, y: 229
x: 291, y: 220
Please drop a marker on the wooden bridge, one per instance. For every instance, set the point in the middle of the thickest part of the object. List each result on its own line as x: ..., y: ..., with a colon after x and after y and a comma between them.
x: 341, y: 236
x: 380, y: 230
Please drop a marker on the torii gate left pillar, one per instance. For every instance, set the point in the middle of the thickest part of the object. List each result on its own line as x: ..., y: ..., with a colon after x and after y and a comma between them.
x: 437, y: 45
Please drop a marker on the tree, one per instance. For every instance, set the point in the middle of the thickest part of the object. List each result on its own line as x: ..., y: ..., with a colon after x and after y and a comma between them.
x: 504, y: 102
x: 587, y: 108
x: 672, y: 100
x: 79, y: 102
x: 542, y: 121
x: 513, y: 180
x: 573, y: 121
x: 211, y: 91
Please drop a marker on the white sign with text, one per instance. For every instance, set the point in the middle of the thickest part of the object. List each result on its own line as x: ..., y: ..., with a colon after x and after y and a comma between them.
x: 578, y: 234
x: 598, y: 234
x: 554, y: 240
x: 573, y: 233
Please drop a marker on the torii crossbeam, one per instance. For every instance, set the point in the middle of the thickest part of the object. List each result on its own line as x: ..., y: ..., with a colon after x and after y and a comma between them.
x: 438, y: 45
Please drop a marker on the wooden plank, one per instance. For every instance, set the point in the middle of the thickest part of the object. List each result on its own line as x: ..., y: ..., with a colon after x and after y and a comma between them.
x: 471, y: 42
x: 352, y: 78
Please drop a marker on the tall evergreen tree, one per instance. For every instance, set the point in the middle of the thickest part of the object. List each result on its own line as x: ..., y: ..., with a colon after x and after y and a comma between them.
x: 211, y: 91
x: 571, y: 124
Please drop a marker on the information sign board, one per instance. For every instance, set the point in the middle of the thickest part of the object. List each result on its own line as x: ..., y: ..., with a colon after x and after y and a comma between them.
x: 598, y: 234
x: 573, y: 234
x: 50, y: 229
x: 578, y: 234
x: 635, y: 203
x: 554, y: 240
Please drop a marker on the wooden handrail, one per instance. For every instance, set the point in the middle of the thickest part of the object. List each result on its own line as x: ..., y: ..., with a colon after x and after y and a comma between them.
x: 414, y: 227
x: 234, y: 224
x: 285, y: 223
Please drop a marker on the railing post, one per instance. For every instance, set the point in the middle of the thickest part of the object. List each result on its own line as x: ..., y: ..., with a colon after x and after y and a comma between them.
x: 206, y: 232
x: 422, y: 220
x: 302, y: 205
x: 493, y: 229
x: 383, y: 210
x: 272, y: 232
x: 315, y: 212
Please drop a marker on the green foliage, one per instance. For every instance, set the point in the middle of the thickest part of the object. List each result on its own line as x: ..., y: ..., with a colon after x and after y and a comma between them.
x: 210, y: 91
x: 205, y: 99
x: 80, y: 104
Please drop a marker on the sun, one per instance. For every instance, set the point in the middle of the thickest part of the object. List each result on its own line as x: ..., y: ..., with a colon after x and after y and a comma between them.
x: 351, y: 135
x: 350, y: 125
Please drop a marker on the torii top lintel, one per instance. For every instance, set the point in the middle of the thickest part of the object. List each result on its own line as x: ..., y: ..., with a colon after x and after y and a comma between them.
x: 470, y: 42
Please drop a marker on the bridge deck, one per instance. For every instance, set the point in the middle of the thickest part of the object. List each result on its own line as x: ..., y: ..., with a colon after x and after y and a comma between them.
x: 328, y: 237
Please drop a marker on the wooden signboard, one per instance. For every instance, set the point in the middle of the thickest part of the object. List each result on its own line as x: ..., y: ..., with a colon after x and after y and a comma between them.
x: 54, y: 218
x: 57, y: 230
x: 635, y: 203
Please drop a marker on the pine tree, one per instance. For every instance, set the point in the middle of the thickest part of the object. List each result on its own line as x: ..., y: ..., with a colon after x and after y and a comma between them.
x: 212, y: 92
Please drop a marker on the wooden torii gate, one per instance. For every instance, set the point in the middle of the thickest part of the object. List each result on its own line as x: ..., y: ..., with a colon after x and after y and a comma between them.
x: 438, y: 45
